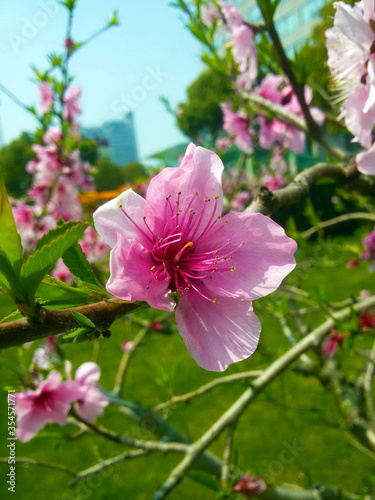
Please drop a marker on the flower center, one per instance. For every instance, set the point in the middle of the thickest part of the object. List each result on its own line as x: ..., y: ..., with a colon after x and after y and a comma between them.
x: 179, y: 255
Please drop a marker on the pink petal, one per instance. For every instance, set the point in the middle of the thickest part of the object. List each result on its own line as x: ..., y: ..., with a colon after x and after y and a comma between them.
x: 366, y: 161
x: 28, y: 425
x: 88, y: 373
x: 359, y: 123
x: 110, y: 220
x: 260, y: 264
x: 131, y: 276
x: 92, y: 405
x: 217, y: 334
x: 199, y: 172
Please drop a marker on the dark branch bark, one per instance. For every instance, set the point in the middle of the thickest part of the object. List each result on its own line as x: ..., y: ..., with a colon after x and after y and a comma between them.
x: 53, y: 322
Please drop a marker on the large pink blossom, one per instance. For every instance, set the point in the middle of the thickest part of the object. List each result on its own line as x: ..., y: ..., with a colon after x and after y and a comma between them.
x: 175, y: 243
x: 350, y: 45
x: 47, y: 97
x: 49, y: 402
x: 236, y: 123
x: 91, y: 401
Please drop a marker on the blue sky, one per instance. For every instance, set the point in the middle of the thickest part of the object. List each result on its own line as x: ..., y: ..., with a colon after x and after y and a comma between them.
x: 150, y: 54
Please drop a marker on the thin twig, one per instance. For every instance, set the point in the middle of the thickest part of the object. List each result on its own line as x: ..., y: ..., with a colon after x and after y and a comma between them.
x: 337, y: 220
x: 227, y: 455
x: 42, y: 463
x: 124, y: 363
x: 207, y: 387
x: 104, y: 464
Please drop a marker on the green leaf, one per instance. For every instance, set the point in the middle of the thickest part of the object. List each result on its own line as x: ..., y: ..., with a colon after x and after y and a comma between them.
x: 10, y: 241
x: 83, y: 320
x: 76, y: 336
x: 75, y: 260
x: 48, y: 250
x: 10, y: 281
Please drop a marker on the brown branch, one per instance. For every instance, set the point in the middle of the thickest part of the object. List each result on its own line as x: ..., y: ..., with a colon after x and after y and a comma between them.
x: 53, y: 322
x: 268, y: 202
x: 42, y: 463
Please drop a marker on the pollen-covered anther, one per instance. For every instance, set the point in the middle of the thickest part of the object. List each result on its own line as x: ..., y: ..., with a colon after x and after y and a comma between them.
x: 214, y: 301
x: 119, y: 205
x: 217, y: 197
x: 233, y: 268
x: 153, y: 269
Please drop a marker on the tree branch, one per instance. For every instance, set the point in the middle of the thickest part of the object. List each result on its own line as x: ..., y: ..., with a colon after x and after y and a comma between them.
x: 53, y: 322
x: 337, y: 220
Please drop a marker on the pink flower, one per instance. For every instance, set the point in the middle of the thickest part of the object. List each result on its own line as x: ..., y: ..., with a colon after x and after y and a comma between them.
x: 367, y: 320
x: 239, y: 201
x: 209, y: 14
x: 90, y: 401
x: 350, y: 45
x: 127, y: 345
x: 333, y: 341
x: 231, y: 15
x: 244, y: 54
x: 276, y: 89
x: 71, y: 105
x: 273, y: 183
x: 223, y: 143
x: 47, y: 97
x: 237, y: 125
x: 250, y: 486
x: 369, y: 253
x: 352, y: 264
x: 50, y: 402
x: 175, y: 243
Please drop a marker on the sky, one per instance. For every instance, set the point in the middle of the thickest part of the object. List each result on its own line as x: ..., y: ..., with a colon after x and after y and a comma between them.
x: 128, y: 67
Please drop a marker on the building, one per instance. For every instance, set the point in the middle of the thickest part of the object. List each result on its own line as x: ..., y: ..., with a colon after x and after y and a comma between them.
x: 116, y: 140
x: 294, y: 19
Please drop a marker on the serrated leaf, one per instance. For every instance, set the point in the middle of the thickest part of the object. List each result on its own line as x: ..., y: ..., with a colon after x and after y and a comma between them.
x: 77, y: 263
x: 9, y: 280
x: 83, y: 320
x: 48, y: 250
x: 10, y: 241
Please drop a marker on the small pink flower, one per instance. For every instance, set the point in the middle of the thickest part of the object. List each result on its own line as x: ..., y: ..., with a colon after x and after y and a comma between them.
x: 176, y: 242
x: 47, y: 97
x: 231, y: 15
x: 249, y: 486
x: 127, y: 345
x: 50, y: 402
x: 352, y: 264
x: 239, y: 201
x: 333, y: 341
x: 223, y: 143
x: 91, y: 401
x: 273, y: 183
x: 367, y: 320
x: 71, y: 105
x: 69, y: 44
x: 236, y: 123
x: 369, y: 253
x: 209, y: 14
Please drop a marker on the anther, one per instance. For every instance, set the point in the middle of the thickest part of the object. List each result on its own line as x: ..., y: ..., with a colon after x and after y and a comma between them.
x: 217, y: 197
x: 214, y: 301
x: 233, y: 268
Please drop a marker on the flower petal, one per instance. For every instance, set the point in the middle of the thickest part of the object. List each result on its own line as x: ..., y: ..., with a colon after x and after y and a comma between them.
x: 88, y: 373
x: 199, y: 172
x: 109, y: 219
x: 366, y: 161
x: 217, y: 334
x: 261, y: 263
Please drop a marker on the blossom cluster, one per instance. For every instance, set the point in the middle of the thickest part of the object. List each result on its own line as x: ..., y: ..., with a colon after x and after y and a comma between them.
x: 350, y: 45
x: 50, y: 401
x: 59, y: 174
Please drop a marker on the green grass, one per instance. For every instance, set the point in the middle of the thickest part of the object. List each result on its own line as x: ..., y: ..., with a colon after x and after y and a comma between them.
x: 292, y: 411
